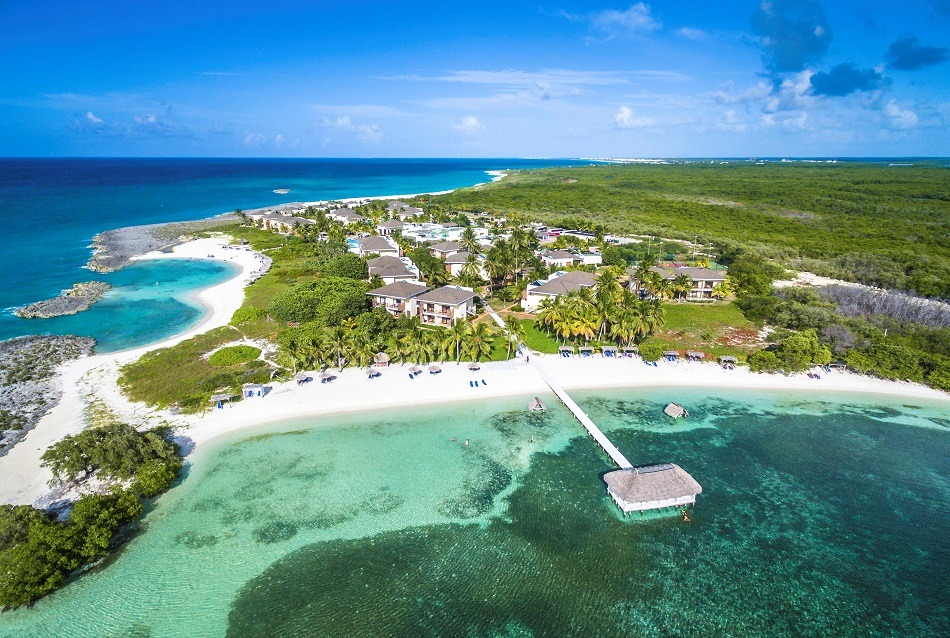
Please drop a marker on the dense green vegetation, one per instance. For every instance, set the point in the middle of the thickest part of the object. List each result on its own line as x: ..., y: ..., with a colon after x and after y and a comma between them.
x: 874, y: 343
x: 116, y: 451
x: 887, y: 226
x: 39, y: 551
x: 233, y: 355
x: 184, y: 376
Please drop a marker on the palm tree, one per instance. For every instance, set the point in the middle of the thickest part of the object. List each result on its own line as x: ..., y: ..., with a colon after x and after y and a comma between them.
x: 626, y: 326
x: 295, y: 350
x: 550, y: 313
x: 479, y: 341
x: 471, y: 275
x: 515, y: 333
x: 418, y: 343
x: 469, y: 242
x: 681, y: 285
x: 652, y: 315
x: 361, y: 350
x: 585, y: 321
x: 722, y: 289
x: 336, y: 342
x: 455, y: 336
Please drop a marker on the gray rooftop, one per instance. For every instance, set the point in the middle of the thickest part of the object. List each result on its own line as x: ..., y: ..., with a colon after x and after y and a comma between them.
x: 696, y: 274
x: 451, y: 295
x: 458, y: 258
x: 375, y: 242
x: 568, y: 282
x: 391, y: 223
x: 388, y: 266
x: 398, y: 290
x: 446, y: 246
x: 558, y: 254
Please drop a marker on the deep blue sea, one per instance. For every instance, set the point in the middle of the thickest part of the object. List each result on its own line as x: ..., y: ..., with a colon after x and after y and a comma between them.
x: 50, y: 209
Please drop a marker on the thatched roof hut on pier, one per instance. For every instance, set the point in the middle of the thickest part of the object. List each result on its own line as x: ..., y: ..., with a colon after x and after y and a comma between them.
x: 651, y: 487
x: 675, y: 411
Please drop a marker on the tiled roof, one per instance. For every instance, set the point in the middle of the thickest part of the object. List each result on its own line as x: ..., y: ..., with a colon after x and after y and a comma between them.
x: 451, y: 295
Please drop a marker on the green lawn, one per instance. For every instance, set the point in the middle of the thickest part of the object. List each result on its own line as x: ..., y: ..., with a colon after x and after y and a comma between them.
x: 536, y: 339
x: 181, y: 375
x: 717, y: 329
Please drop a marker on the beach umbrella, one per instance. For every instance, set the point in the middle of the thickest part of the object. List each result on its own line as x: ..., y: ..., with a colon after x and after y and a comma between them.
x: 474, y: 366
x: 434, y: 369
x: 415, y: 370
x: 301, y: 376
x: 325, y: 375
x: 372, y: 373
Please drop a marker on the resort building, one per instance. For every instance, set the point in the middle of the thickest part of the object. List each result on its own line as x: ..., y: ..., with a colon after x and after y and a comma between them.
x: 704, y: 279
x: 559, y: 283
x: 374, y: 244
x: 392, y: 269
x: 444, y: 306
x: 345, y: 216
x: 402, y: 210
x: 278, y: 222
x: 558, y: 259
x: 444, y: 249
x: 396, y: 298
x: 651, y: 487
x: 456, y: 261
x: 388, y: 227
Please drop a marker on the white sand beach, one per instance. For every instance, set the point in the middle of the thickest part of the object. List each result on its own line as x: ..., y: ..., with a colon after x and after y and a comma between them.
x: 95, y: 378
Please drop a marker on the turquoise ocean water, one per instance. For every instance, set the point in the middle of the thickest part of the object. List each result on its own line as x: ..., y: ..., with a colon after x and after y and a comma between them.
x: 51, y: 209
x: 824, y: 515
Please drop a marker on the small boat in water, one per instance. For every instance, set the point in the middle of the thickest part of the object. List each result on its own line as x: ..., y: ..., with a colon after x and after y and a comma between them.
x: 537, y: 406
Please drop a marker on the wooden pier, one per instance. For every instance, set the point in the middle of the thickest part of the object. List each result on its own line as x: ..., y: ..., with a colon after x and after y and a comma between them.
x: 615, y: 455
x: 659, y: 486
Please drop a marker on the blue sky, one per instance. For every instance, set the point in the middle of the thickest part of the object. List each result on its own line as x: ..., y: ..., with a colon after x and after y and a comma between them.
x: 677, y: 78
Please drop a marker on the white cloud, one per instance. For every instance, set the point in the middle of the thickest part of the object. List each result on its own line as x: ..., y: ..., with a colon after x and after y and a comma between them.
x: 635, y: 19
x: 730, y: 122
x: 900, y: 118
x: 90, y: 116
x: 252, y: 139
x: 728, y: 95
x: 625, y: 119
x: 794, y: 93
x: 469, y: 125
x: 692, y: 34
x: 278, y: 140
x: 366, y: 132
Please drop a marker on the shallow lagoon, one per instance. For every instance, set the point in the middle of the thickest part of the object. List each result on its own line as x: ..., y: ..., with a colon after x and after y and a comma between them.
x: 150, y: 300
x: 819, y: 514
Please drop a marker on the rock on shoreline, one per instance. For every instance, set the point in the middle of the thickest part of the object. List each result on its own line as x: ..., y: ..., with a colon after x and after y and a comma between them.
x: 114, y: 249
x: 28, y: 389
x: 78, y: 298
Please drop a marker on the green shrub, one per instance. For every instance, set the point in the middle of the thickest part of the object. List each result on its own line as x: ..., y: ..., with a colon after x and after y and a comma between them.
x: 764, y: 361
x: 114, y: 451
x: 651, y: 350
x: 248, y: 313
x: 38, y: 557
x: 233, y: 355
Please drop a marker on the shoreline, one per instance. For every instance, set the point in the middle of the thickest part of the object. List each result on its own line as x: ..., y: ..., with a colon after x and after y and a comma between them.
x: 95, y: 379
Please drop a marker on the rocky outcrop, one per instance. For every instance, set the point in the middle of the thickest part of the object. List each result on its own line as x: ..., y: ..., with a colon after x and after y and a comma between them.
x: 78, y: 298
x: 114, y: 249
x: 28, y: 389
